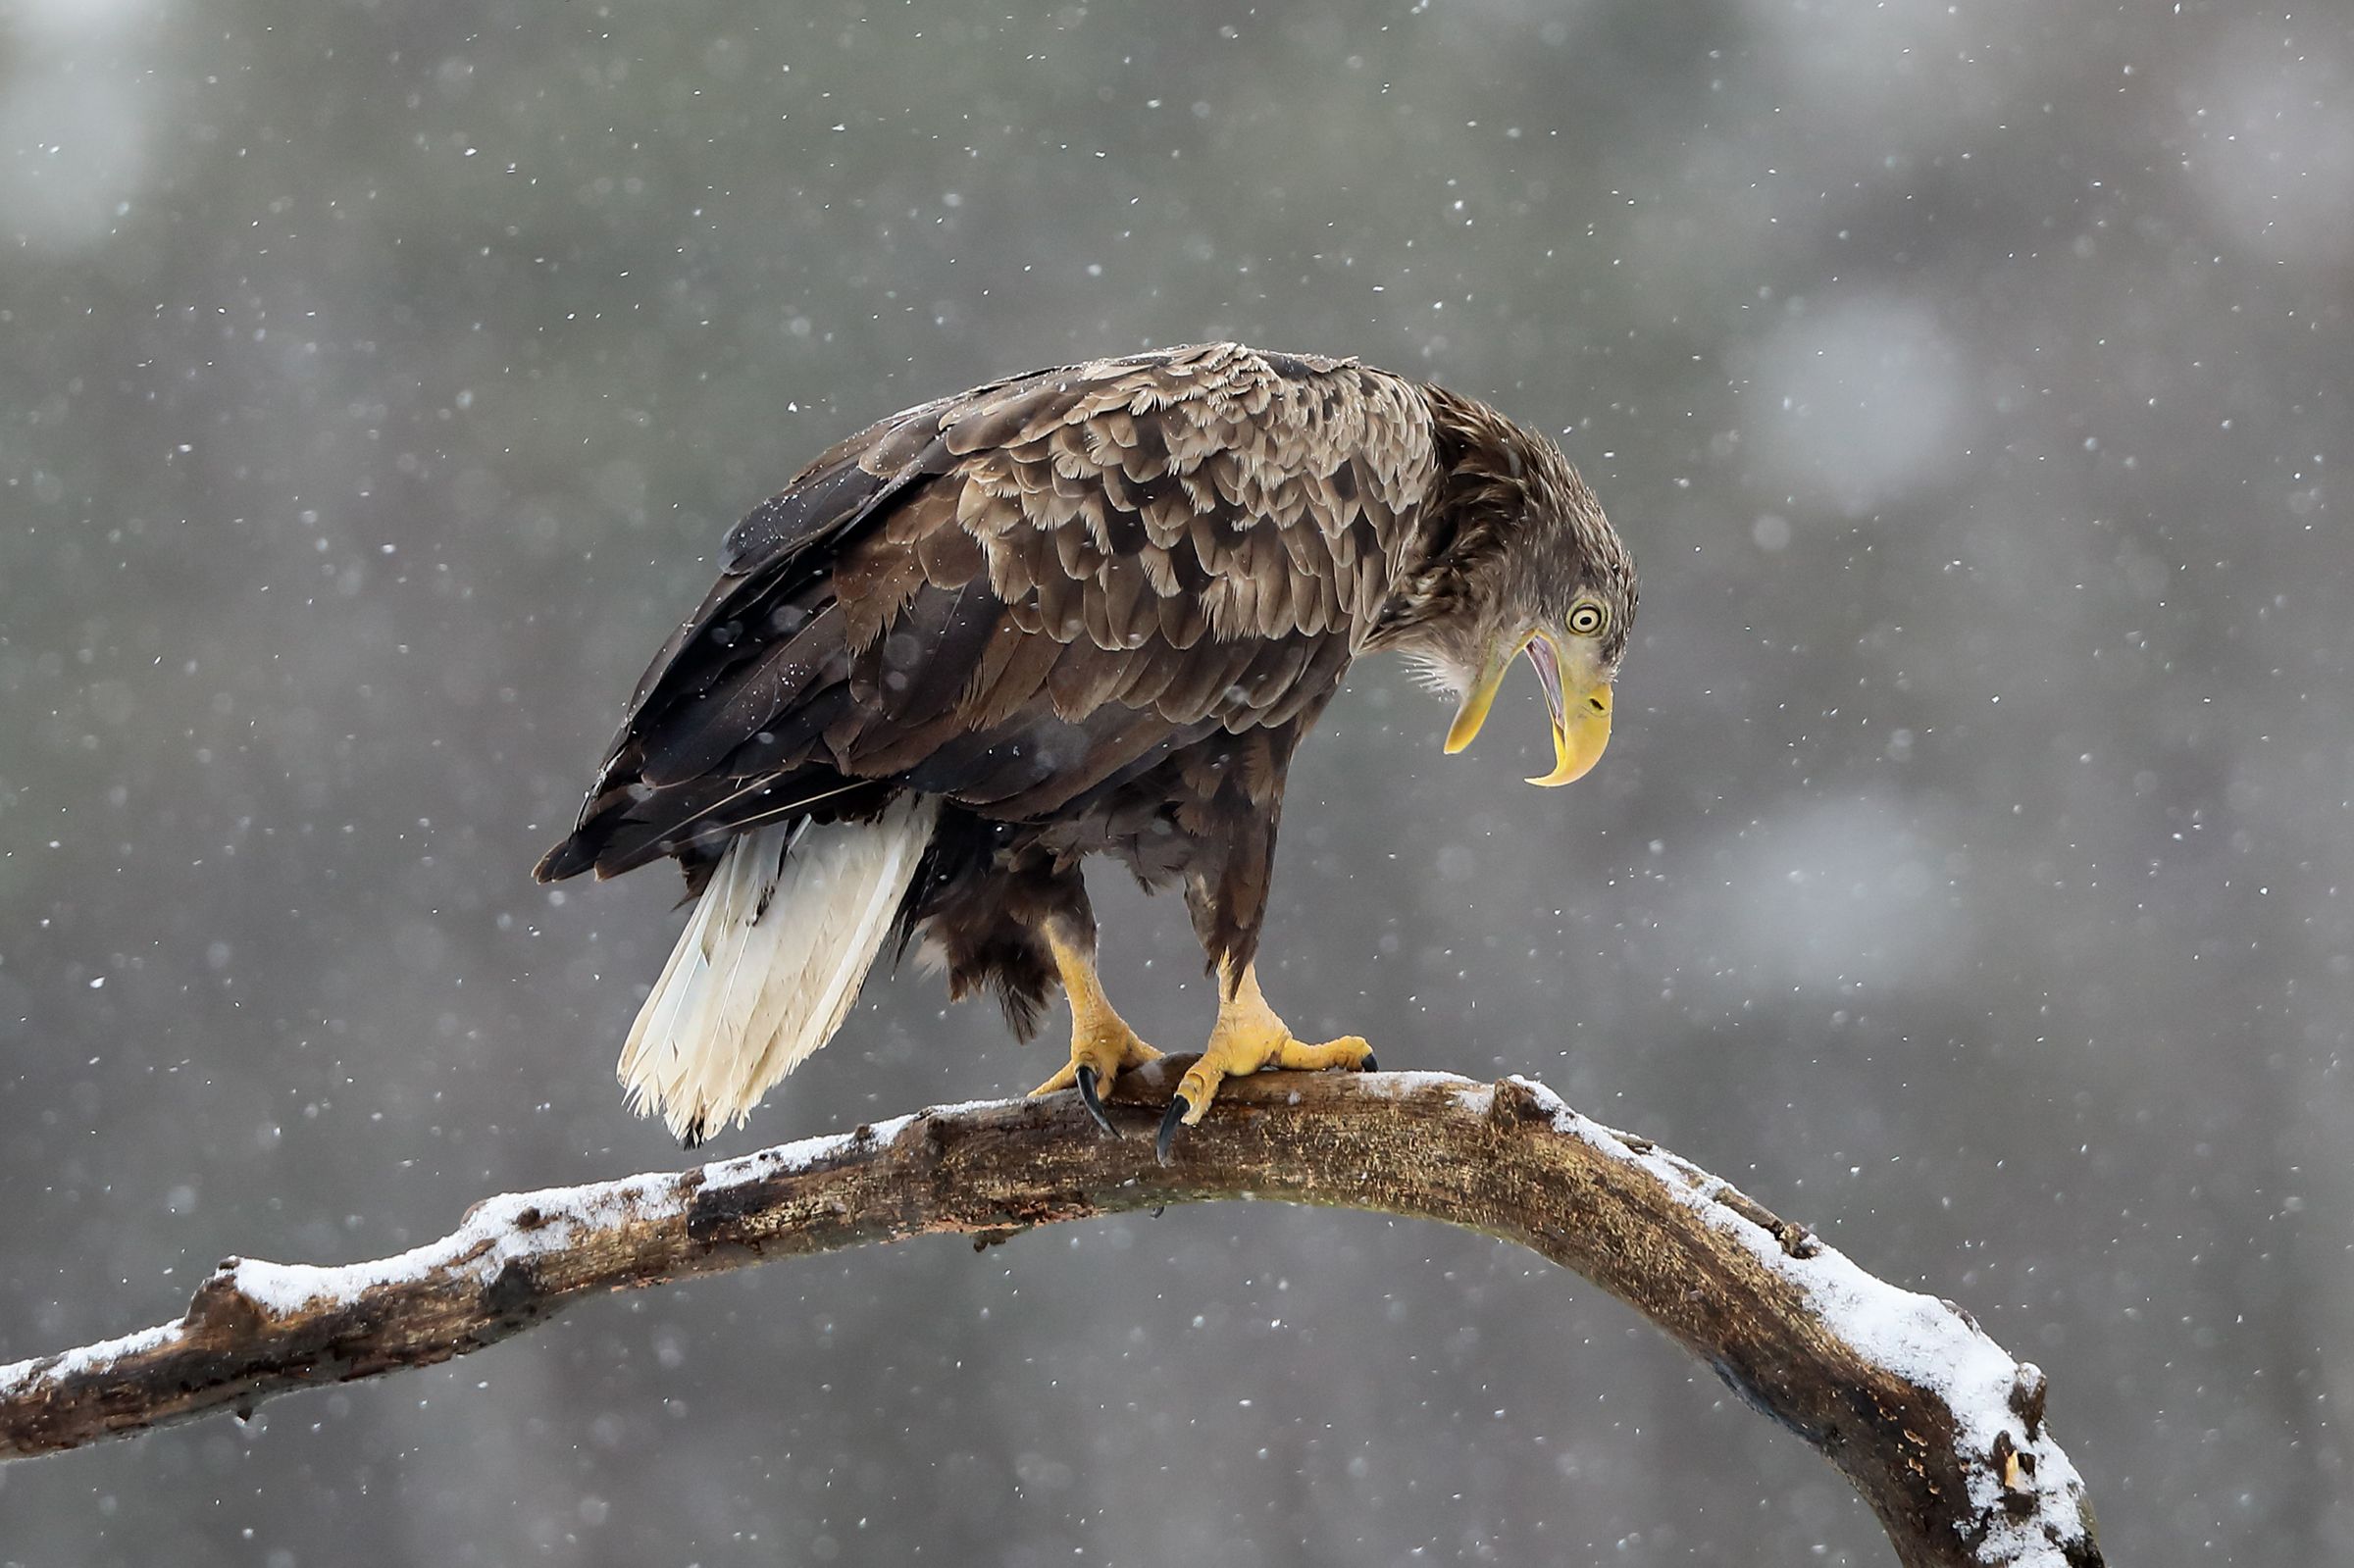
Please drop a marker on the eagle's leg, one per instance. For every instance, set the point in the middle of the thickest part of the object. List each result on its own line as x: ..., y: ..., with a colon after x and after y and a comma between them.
x: 1246, y: 1037
x: 1101, y: 1043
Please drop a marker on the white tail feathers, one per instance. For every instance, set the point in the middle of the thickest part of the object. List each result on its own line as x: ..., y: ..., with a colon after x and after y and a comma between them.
x: 769, y: 963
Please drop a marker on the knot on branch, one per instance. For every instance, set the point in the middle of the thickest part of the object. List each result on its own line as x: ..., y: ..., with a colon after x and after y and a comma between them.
x: 1794, y: 1239
x: 2027, y: 1390
x: 1514, y: 1104
x: 222, y: 1308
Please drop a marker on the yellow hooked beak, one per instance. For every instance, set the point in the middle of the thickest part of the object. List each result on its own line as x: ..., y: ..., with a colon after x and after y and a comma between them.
x: 1581, y: 721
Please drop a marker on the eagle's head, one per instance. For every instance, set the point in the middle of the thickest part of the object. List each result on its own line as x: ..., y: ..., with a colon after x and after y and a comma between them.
x: 1522, y: 561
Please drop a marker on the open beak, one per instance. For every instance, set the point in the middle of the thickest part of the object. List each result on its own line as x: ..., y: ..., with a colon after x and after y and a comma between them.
x: 1581, y: 721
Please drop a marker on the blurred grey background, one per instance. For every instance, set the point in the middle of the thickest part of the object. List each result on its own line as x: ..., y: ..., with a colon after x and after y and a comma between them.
x: 1972, y: 875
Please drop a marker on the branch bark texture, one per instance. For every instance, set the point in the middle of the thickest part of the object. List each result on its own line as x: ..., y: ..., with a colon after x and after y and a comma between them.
x: 1939, y: 1430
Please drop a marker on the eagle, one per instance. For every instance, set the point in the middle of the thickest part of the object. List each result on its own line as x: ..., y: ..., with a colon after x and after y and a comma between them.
x: 1089, y: 610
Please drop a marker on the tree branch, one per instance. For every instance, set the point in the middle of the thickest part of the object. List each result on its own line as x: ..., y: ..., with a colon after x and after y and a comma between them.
x: 1939, y: 1430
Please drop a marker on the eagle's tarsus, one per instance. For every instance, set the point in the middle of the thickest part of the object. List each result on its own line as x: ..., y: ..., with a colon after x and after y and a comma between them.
x: 1103, y: 1045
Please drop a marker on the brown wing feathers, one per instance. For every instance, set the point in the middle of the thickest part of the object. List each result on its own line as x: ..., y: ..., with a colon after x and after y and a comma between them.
x: 1030, y: 592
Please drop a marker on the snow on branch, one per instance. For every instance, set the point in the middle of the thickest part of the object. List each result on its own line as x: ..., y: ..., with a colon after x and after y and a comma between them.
x: 1938, y: 1428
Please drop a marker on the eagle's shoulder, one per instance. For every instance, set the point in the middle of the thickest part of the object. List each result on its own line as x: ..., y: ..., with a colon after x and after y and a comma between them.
x: 1208, y: 488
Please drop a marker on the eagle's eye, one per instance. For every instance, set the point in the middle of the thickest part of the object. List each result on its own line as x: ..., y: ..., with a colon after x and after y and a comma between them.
x: 1588, y: 619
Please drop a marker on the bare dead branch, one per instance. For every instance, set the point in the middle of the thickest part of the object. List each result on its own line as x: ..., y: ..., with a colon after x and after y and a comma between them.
x: 1939, y: 1430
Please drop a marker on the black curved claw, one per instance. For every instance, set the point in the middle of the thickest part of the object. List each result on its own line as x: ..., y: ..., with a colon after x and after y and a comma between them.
x: 1368, y: 1065
x: 1166, y: 1139
x: 1091, y: 1098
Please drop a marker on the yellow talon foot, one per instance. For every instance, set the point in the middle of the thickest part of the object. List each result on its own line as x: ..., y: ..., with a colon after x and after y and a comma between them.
x: 1248, y: 1039
x: 1099, y: 1054
x: 1102, y: 1045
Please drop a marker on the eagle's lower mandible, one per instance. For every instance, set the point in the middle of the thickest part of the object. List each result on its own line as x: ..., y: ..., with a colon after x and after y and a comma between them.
x: 1086, y: 610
